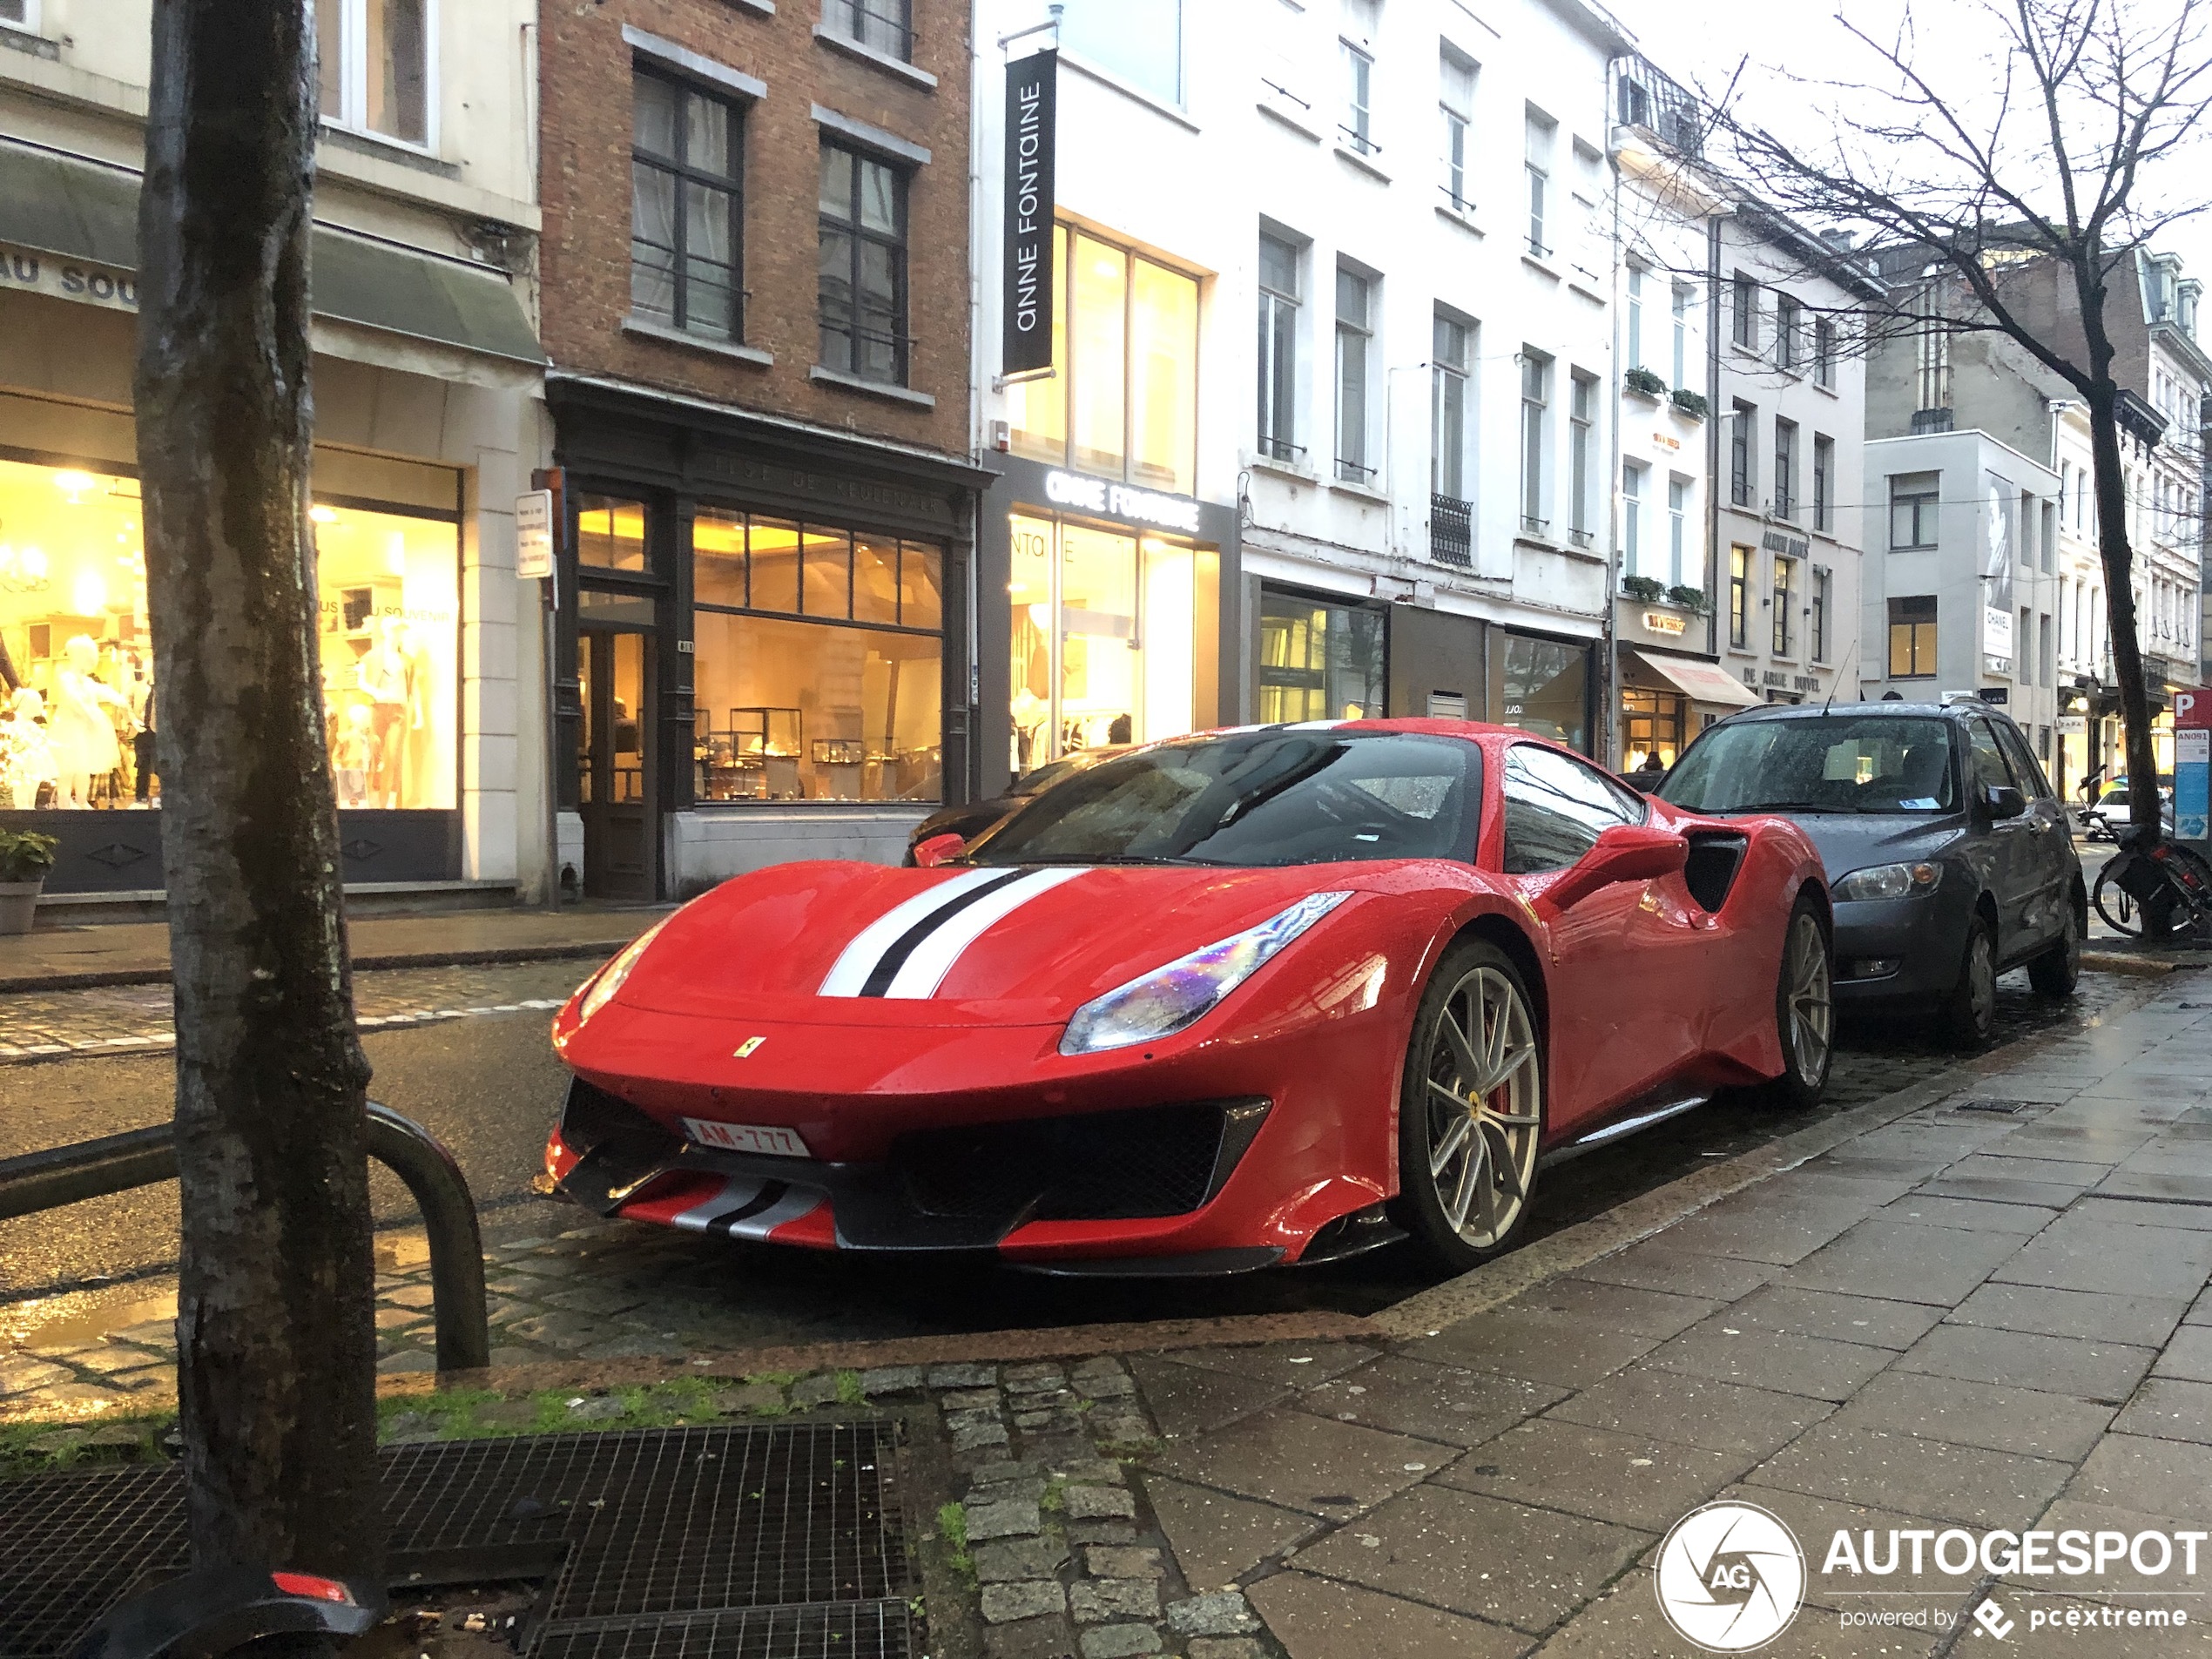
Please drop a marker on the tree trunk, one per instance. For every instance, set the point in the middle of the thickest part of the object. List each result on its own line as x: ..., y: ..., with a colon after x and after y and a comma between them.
x: 2120, y: 605
x: 275, y: 1339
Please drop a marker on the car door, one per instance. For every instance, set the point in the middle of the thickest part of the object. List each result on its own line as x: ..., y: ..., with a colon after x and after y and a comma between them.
x: 2049, y: 852
x: 1623, y: 968
x: 2010, y: 840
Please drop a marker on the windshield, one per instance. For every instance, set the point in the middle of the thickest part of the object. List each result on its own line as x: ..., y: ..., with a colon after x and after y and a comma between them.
x: 1841, y: 763
x: 1255, y: 799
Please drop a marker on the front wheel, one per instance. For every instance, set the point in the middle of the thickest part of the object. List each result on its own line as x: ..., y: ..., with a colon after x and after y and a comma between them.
x: 1969, y: 1016
x: 2058, y: 970
x: 1471, y: 1111
x: 2115, y: 904
x: 1805, y: 1010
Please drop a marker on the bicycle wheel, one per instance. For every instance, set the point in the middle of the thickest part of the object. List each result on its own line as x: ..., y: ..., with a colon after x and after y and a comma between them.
x: 2113, y: 903
x: 2190, y: 877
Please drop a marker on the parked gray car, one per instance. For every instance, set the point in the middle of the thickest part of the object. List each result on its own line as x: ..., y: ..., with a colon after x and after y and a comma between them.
x: 1949, y: 857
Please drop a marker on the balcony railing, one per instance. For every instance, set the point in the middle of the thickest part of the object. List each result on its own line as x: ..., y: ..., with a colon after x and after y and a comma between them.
x: 1277, y: 448
x: 1451, y: 531
x: 1653, y: 100
x: 1354, y: 472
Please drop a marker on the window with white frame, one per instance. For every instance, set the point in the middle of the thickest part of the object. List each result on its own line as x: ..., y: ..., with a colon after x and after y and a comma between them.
x: 1637, y: 277
x: 1278, y: 314
x: 1535, y: 395
x: 1542, y: 130
x: 375, y: 66
x: 1745, y: 320
x: 1788, y: 320
x: 19, y: 14
x: 1582, y: 446
x: 1824, y: 482
x: 1455, y: 101
x: 1677, y: 529
x: 1633, y: 476
x: 882, y: 26
x: 1355, y: 347
x: 1685, y: 297
x: 1448, y: 424
x: 1823, y: 351
x: 1357, y: 45
x: 1824, y: 598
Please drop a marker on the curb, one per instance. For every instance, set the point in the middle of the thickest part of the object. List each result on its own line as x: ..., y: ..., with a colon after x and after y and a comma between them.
x: 17, y: 984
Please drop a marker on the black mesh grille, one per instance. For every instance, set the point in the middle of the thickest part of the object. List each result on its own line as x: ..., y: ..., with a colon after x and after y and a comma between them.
x: 713, y: 1543
x: 1102, y: 1166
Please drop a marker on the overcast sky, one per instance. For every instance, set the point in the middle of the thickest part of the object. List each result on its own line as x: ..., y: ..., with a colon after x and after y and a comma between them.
x: 1699, y: 41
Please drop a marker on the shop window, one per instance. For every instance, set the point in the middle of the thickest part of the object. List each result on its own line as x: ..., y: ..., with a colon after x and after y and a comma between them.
x: 1124, y: 403
x: 1653, y: 722
x: 685, y: 170
x: 863, y: 291
x: 611, y: 533
x: 1319, y: 661
x: 837, y: 698
x: 374, y: 61
x: 1912, y: 637
x: 1103, y: 640
x: 76, y: 731
x: 1542, y: 685
x: 1140, y: 41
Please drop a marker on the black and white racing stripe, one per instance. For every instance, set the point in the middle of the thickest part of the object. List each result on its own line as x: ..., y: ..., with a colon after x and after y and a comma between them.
x: 749, y: 1207
x: 906, y: 951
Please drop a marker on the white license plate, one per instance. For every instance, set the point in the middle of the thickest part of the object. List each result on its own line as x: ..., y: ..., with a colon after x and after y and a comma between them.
x: 769, y: 1139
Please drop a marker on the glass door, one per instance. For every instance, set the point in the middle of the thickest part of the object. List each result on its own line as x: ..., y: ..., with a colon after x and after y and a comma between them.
x: 616, y: 797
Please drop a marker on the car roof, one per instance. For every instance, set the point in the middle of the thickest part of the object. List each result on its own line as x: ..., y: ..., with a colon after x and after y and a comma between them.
x: 1962, y: 708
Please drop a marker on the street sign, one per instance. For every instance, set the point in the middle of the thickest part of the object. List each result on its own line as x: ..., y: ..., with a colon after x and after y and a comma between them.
x: 534, y: 535
x: 2192, y: 773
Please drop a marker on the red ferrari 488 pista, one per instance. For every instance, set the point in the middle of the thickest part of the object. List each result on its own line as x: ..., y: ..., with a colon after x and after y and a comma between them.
x: 1262, y: 995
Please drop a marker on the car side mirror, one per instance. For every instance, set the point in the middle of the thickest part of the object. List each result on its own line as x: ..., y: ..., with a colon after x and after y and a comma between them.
x: 1625, y: 853
x: 937, y: 848
x: 2004, y: 801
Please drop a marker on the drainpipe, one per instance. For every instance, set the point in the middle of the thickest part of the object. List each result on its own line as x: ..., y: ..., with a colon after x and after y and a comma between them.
x: 1609, y: 675
x: 1712, y: 439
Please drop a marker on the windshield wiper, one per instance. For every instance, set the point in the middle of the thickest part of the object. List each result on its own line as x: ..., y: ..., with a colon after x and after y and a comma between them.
x: 1781, y: 806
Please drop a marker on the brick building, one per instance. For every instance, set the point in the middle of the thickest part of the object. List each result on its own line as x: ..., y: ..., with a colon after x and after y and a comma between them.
x: 755, y: 305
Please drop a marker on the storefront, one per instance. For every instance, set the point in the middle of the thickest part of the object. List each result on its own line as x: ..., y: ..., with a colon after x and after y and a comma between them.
x: 763, y: 641
x: 1542, y: 684
x: 426, y: 376
x: 1319, y: 657
x: 1666, y: 701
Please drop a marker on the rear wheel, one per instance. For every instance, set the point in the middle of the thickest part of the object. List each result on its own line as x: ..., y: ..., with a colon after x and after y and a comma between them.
x: 1969, y: 1015
x: 1804, y: 1011
x: 2058, y: 970
x: 1471, y: 1112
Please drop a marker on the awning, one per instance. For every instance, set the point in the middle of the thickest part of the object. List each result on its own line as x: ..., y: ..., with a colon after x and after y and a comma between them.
x: 67, y: 209
x: 1701, y: 682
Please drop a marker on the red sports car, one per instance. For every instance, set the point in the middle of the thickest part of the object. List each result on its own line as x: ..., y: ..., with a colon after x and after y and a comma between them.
x: 1268, y: 995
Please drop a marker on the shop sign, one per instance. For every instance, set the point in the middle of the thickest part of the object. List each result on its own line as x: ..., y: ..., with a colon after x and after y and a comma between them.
x: 534, y: 535
x: 1796, y: 547
x: 1121, y: 501
x: 1773, y: 677
x: 1665, y: 441
x: 2073, y: 725
x: 92, y: 285
x: 1808, y: 683
x: 1032, y: 95
x: 1663, y: 622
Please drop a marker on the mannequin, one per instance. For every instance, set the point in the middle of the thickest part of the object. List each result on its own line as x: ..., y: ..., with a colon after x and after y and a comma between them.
x: 353, y: 753
x: 81, y: 724
x: 387, y: 676
x: 26, y: 758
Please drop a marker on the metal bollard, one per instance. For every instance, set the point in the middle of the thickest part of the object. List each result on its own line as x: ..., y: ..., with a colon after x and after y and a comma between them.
x: 64, y: 1175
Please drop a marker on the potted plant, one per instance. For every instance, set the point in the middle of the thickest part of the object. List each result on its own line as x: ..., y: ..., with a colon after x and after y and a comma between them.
x: 1691, y: 403
x: 1644, y: 382
x: 1689, y: 598
x: 1643, y: 589
x: 25, y: 856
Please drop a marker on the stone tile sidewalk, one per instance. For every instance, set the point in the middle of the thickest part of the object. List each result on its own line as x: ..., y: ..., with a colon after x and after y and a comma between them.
x: 1990, y: 1313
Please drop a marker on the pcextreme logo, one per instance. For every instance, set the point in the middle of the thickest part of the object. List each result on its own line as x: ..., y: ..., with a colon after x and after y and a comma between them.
x: 1731, y: 1577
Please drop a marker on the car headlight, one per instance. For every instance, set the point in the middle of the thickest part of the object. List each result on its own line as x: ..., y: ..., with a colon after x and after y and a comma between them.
x: 1163, y: 1001
x: 1889, y: 882
x: 600, y: 990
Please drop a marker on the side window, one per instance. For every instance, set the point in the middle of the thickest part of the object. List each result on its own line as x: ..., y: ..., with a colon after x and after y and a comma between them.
x: 1556, y: 807
x: 1987, y: 759
x: 2033, y: 783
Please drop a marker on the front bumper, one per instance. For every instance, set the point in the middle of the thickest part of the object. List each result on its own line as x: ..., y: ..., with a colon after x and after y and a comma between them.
x: 1925, y: 937
x: 965, y: 1189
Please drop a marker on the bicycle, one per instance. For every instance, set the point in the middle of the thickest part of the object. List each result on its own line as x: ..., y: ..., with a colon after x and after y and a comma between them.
x: 2151, y: 879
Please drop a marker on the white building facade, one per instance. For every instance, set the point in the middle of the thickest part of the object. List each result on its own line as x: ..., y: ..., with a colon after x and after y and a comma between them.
x: 1400, y: 219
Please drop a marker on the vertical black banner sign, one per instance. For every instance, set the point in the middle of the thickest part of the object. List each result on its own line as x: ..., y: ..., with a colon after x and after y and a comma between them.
x: 1031, y: 92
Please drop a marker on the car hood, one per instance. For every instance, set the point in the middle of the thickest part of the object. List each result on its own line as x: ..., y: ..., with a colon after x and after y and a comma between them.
x: 838, y: 943
x: 1848, y: 841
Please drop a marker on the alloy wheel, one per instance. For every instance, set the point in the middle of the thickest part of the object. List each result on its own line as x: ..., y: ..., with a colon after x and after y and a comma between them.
x: 1811, y: 1000
x: 1485, y: 1096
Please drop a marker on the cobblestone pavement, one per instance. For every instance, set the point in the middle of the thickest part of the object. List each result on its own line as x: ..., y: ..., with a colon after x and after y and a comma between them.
x: 121, y: 1019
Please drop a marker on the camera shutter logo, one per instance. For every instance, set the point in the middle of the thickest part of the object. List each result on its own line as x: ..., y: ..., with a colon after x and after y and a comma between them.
x: 1731, y: 1577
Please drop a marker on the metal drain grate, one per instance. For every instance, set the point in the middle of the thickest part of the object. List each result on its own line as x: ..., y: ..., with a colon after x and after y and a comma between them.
x: 2005, y: 1107
x: 756, y: 1542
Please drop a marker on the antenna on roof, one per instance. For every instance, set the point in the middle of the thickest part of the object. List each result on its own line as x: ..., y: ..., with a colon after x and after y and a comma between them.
x: 1830, y: 703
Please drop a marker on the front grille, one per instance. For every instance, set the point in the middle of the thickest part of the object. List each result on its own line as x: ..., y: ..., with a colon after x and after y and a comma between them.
x: 1099, y: 1166
x: 754, y: 1542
